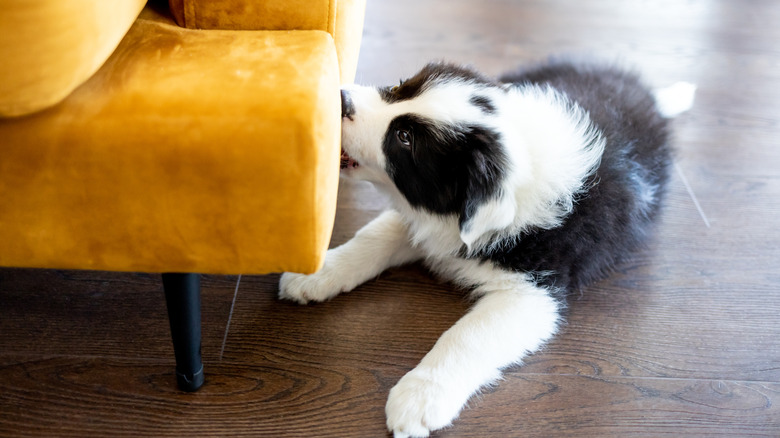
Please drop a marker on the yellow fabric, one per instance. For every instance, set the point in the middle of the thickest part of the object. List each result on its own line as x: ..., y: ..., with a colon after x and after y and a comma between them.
x: 348, y: 34
x: 188, y: 151
x: 255, y: 14
x: 48, y: 48
x: 341, y: 18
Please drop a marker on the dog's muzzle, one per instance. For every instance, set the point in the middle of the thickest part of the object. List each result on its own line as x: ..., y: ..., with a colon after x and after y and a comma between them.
x: 347, y: 108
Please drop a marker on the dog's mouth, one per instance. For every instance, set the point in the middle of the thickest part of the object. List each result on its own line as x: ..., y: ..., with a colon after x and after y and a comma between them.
x: 347, y: 162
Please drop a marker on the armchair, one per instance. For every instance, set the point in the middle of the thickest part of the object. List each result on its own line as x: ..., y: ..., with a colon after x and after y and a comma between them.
x: 195, y: 136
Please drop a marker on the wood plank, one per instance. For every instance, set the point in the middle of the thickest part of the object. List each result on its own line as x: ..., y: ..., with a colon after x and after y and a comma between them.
x: 76, y: 397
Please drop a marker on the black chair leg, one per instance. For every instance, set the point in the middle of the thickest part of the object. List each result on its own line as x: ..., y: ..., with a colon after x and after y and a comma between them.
x: 182, y: 296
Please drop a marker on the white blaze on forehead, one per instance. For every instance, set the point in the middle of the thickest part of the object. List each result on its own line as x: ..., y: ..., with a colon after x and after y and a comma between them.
x: 447, y: 102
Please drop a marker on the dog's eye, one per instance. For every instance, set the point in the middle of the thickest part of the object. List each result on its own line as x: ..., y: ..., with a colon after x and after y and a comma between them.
x: 404, y: 137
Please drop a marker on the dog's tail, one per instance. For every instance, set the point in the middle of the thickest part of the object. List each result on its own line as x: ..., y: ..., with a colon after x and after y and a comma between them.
x: 675, y: 99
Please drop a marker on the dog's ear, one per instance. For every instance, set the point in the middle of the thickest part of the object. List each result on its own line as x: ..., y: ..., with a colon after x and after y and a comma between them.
x: 487, y: 206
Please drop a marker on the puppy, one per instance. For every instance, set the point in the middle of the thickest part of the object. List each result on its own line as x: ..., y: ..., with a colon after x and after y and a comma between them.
x: 520, y: 190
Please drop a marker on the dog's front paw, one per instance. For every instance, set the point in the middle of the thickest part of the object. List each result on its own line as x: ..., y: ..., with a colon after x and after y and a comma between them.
x: 306, y: 288
x: 418, y: 405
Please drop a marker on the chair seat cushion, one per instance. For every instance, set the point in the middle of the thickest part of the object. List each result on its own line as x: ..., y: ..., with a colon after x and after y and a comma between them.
x: 188, y: 151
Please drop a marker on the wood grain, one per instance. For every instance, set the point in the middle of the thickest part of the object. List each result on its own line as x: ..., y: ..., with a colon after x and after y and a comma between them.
x: 108, y: 397
x: 92, y: 313
x: 683, y: 340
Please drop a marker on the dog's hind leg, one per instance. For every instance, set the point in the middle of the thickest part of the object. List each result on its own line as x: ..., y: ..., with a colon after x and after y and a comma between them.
x: 381, y: 244
x: 513, y: 318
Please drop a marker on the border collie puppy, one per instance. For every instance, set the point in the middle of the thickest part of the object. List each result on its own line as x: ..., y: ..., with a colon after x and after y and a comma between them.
x: 520, y: 190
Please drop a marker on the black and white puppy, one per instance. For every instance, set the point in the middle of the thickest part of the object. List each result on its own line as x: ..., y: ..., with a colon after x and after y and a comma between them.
x: 520, y: 189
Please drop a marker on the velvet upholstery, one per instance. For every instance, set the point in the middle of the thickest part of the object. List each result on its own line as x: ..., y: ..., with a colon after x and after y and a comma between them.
x: 188, y: 151
x: 337, y: 17
x: 49, y: 48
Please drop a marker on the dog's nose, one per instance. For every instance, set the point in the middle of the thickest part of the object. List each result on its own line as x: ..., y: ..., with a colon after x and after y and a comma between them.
x: 347, y: 108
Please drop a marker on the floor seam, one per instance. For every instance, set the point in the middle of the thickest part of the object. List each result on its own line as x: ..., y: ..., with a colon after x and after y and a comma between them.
x: 230, y: 317
x: 692, y: 195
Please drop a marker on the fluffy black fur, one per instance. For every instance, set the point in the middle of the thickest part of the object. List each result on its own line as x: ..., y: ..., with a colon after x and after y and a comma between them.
x: 611, y: 218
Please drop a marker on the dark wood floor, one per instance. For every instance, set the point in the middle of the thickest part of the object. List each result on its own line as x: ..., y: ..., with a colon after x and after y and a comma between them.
x: 682, y: 341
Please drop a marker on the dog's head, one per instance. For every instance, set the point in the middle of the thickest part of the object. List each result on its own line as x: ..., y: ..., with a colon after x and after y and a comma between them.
x: 434, y: 138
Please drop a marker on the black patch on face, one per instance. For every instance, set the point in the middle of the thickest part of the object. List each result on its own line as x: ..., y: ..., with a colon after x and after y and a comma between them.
x: 483, y: 103
x: 431, y: 74
x: 444, y: 170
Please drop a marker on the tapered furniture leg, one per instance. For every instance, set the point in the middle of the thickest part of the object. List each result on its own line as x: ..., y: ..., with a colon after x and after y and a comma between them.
x: 182, y: 296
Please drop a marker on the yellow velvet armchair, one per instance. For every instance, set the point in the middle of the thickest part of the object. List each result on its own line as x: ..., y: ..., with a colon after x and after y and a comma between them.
x: 180, y: 137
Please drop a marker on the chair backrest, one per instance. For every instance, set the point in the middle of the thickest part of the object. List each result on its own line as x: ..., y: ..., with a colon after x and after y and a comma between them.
x: 49, y: 47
